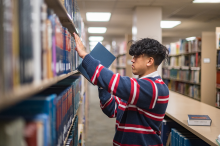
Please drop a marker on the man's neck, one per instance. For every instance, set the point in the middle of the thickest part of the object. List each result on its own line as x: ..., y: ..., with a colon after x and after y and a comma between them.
x: 149, y: 71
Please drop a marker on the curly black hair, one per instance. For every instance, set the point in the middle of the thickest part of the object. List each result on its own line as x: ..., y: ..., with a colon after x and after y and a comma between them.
x: 150, y: 47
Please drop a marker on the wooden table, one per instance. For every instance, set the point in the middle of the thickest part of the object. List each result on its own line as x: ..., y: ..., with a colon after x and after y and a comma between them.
x: 180, y: 106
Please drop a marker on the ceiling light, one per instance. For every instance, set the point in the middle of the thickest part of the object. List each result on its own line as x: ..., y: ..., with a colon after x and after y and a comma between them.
x: 96, y: 38
x: 97, y: 29
x: 94, y: 43
x: 206, y: 1
x: 98, y: 16
x: 169, y: 24
x: 190, y: 38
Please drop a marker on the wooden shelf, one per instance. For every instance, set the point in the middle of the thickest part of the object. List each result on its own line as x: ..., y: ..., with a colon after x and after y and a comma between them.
x: 179, y: 107
x: 120, y: 55
x: 174, y: 55
x: 28, y: 90
x: 217, y: 107
x: 182, y: 67
x: 63, y: 15
x: 182, y: 81
x: 70, y: 127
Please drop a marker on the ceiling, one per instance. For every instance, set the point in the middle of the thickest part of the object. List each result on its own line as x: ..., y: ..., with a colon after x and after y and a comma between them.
x: 195, y: 18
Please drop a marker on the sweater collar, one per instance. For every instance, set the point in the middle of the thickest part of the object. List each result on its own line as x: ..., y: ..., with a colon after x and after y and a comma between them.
x: 153, y: 74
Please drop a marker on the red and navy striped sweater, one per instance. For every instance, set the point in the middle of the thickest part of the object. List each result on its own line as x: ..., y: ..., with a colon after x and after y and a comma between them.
x: 139, y: 105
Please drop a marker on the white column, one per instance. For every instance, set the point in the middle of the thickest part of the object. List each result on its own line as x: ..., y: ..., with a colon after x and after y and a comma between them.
x: 146, y: 23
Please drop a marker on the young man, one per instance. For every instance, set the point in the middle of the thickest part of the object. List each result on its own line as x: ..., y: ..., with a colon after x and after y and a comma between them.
x: 139, y: 105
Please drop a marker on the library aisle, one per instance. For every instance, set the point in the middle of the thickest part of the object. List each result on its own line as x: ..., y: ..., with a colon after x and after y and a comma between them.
x: 101, y: 128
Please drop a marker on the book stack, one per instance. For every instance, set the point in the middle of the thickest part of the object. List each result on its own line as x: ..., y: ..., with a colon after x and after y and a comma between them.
x: 182, y: 137
x: 31, y: 55
x: 52, y: 111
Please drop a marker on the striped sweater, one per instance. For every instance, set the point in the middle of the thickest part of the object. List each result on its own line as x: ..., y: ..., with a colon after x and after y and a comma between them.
x: 138, y: 105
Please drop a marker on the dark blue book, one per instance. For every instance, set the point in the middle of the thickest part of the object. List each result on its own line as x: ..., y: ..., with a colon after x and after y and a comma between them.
x: 100, y: 53
x: 199, y: 120
x: 166, y: 129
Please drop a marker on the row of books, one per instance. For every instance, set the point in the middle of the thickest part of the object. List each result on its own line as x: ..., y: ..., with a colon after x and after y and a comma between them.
x: 179, y: 135
x: 218, y: 78
x: 184, y: 88
x: 183, y: 75
x: 182, y: 137
x: 184, y: 46
x: 218, y: 58
x: 32, y: 48
x: 193, y: 60
x: 53, y: 108
x: 73, y: 136
x: 119, y: 48
x: 74, y: 13
x: 121, y: 61
x: 218, y: 99
x: 121, y: 71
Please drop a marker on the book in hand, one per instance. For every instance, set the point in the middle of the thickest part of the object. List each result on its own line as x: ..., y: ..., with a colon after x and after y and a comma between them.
x: 100, y: 53
x: 199, y: 120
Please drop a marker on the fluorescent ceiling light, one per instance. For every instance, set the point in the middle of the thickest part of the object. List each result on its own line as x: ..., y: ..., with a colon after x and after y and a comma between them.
x: 97, y: 29
x: 96, y: 38
x: 94, y: 43
x: 190, y: 38
x: 206, y: 1
x: 98, y: 16
x: 169, y: 24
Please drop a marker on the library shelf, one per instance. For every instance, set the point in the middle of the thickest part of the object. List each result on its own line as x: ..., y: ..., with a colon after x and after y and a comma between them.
x: 181, y: 67
x: 63, y: 15
x: 28, y: 90
x: 120, y: 55
x: 217, y: 107
x: 198, y: 99
x: 70, y: 127
x: 178, y: 109
x: 217, y: 87
x: 189, y: 53
x: 181, y: 81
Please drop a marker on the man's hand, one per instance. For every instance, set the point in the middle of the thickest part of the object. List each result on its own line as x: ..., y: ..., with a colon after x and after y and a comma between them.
x: 79, y: 46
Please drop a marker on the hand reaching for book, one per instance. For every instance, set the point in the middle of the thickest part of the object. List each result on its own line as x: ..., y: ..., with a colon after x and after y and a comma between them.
x: 79, y: 46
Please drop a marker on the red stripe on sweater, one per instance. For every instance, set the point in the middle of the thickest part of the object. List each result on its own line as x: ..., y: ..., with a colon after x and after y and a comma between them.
x: 115, y: 143
x: 106, y: 104
x: 116, y: 85
x: 159, y: 81
x: 94, y: 73
x: 148, y: 114
x: 110, y: 83
x: 99, y: 71
x: 163, y: 97
x: 162, y: 102
x: 154, y: 92
x: 137, y: 93
x: 157, y: 145
x: 132, y: 91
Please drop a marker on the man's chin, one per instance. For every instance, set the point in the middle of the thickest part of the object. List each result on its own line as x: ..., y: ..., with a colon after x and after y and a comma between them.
x: 135, y: 73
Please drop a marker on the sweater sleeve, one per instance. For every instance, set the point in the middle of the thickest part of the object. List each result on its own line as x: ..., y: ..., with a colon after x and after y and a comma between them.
x: 139, y: 92
x: 108, y: 103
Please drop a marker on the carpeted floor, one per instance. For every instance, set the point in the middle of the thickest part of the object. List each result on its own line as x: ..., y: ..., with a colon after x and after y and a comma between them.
x: 101, y: 128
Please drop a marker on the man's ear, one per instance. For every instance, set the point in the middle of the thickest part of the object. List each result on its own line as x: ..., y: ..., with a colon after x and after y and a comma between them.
x: 150, y: 61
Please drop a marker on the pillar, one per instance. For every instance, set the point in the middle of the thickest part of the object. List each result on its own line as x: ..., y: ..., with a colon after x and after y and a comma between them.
x: 146, y: 23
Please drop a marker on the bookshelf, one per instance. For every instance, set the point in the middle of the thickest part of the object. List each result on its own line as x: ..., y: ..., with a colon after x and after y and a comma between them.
x: 26, y: 91
x: 23, y: 91
x: 122, y: 64
x: 217, y: 67
x: 180, y: 107
x: 183, y: 70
